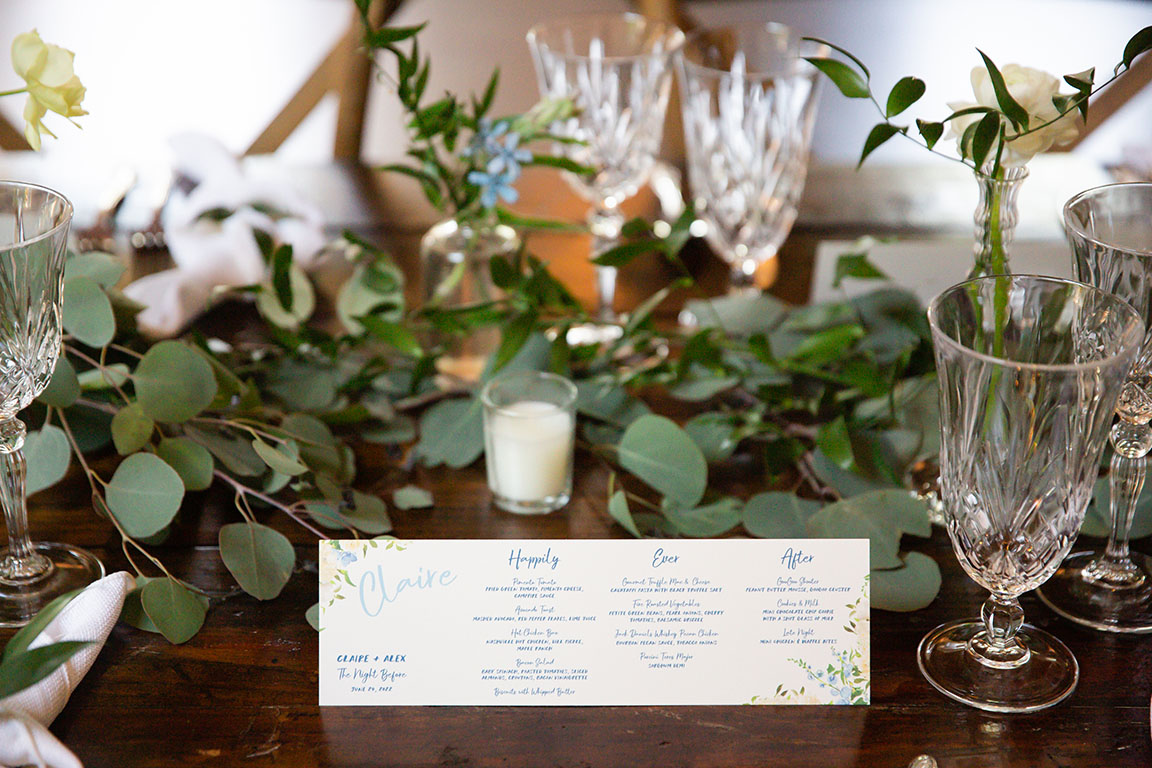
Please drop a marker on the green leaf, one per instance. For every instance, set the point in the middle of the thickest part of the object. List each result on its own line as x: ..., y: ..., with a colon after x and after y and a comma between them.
x: 233, y: 452
x: 88, y: 312
x: 25, y: 669
x: 361, y: 295
x: 452, y: 433
x: 848, y: 80
x: 713, y: 520
x: 535, y: 355
x: 399, y: 430
x: 411, y: 497
x: 281, y: 275
x: 701, y: 385
x: 192, y: 461
x: 97, y: 379
x: 851, y: 519
x: 649, y: 305
x: 834, y: 441
x: 144, y: 495
x: 905, y: 589
x: 904, y: 94
x: 47, y: 455
x: 847, y: 53
x: 618, y: 509
x: 879, y: 134
x: 624, y: 253
x: 987, y: 131
x: 259, y: 558
x: 312, y: 616
x: 392, y: 334
x: 608, y: 402
x: 177, y: 611
x: 903, y: 511
x: 512, y: 340
x: 662, y: 454
x: 131, y: 429
x: 303, y: 301
x: 778, y: 515
x: 739, y: 315
x: 63, y: 388
x: 303, y: 386
x: 102, y: 268
x: 173, y: 383
x: 318, y: 447
x: 278, y: 459
x: 858, y: 266
x: 825, y: 346
x: 368, y: 513
x: 847, y: 484
x: 714, y: 434
x: 133, y: 611
x: 1137, y: 44
x: 386, y: 36
x: 930, y: 132
x: 30, y: 631
x: 1015, y: 113
x: 1098, y: 518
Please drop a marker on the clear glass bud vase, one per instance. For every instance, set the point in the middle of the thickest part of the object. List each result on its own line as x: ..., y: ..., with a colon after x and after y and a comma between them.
x: 995, y: 219
x: 454, y: 261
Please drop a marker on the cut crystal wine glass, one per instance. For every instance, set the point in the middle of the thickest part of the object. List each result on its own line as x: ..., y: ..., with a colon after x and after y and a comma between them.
x: 1030, y: 370
x: 749, y: 101
x: 33, y: 235
x: 616, y: 70
x: 1110, y: 231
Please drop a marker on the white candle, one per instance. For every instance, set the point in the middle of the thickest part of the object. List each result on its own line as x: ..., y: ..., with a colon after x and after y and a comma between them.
x: 529, y: 450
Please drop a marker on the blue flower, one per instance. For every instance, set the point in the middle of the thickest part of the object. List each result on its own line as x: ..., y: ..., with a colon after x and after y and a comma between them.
x: 346, y: 558
x: 502, y: 157
x: 493, y: 186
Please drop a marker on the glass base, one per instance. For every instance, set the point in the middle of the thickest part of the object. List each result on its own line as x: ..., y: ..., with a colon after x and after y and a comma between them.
x: 1047, y: 678
x: 72, y: 568
x: 1097, y: 603
x: 534, y: 507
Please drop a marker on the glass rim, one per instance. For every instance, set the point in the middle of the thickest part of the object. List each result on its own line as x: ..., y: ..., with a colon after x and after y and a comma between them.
x: 703, y: 70
x: 69, y: 210
x: 1096, y: 192
x: 671, y: 32
x: 1136, y: 330
x: 570, y: 391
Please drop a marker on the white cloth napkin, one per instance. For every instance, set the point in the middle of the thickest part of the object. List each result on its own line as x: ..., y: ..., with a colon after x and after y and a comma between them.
x: 25, y: 716
x: 214, y: 253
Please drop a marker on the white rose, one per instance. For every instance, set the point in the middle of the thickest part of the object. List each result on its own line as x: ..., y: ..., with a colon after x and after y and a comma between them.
x: 1033, y: 90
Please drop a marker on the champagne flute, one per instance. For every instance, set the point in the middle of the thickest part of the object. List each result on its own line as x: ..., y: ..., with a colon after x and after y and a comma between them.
x: 616, y: 70
x: 1110, y: 231
x: 1029, y: 372
x: 33, y: 234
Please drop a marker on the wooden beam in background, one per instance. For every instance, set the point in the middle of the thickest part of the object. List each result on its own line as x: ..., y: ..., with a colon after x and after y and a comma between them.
x: 1109, y: 101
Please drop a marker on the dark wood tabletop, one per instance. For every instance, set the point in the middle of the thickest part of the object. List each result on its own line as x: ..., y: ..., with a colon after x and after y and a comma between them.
x: 244, y: 690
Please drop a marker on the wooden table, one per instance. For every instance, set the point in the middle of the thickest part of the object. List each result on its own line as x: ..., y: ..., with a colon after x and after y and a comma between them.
x: 244, y: 690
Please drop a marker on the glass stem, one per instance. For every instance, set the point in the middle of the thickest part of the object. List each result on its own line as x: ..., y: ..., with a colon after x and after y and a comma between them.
x: 1125, y: 480
x: 997, y: 646
x: 605, y: 223
x: 22, y: 564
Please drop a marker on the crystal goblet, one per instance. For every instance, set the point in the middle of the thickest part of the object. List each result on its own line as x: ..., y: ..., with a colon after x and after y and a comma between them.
x: 33, y: 234
x: 616, y: 70
x: 749, y: 101
x: 1029, y: 369
x: 1110, y: 231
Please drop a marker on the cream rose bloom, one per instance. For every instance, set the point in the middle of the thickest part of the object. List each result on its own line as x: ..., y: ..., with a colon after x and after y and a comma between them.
x: 51, y: 82
x: 1033, y: 89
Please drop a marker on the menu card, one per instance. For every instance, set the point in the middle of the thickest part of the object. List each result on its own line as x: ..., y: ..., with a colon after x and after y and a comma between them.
x: 594, y: 622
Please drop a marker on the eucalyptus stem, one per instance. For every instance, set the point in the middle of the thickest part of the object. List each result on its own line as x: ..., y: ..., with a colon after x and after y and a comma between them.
x: 241, y: 488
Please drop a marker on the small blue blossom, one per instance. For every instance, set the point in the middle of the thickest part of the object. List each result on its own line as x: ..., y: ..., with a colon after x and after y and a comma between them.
x: 493, y: 186
x: 502, y: 157
x: 345, y: 557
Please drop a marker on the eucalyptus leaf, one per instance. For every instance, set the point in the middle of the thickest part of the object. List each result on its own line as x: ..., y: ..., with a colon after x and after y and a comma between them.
x: 133, y: 611
x: 63, y: 388
x: 452, y: 433
x: 662, y: 454
x: 715, y: 435
x: 368, y: 513
x: 779, y: 515
x: 192, y: 461
x: 131, y: 429
x: 534, y: 355
x: 88, y: 313
x: 738, y: 314
x: 711, y: 520
x: 173, y: 383
x: 303, y: 386
x: 102, y: 268
x: 399, y: 430
x: 278, y: 459
x: 177, y: 611
x: 701, y: 385
x: 849, y: 519
x: 312, y: 616
x: 258, y: 557
x: 144, y: 494
x: 846, y: 483
x: 618, y: 509
x: 608, y: 402
x: 833, y: 440
x: 318, y: 446
x: 95, y: 379
x: 411, y: 497
x: 47, y: 456
x: 235, y: 453
x: 910, y: 588
x: 1098, y: 518
x: 26, y: 668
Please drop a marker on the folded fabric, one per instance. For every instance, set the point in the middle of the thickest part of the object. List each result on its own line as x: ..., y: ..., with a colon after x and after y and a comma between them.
x: 210, y: 234
x: 24, y: 716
